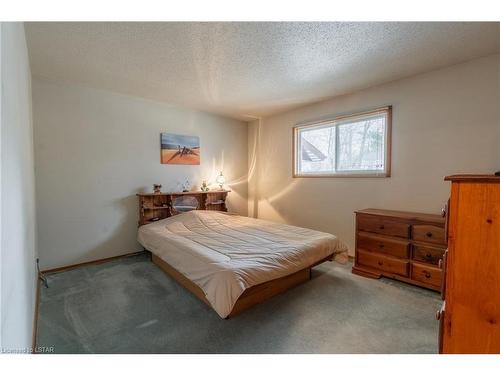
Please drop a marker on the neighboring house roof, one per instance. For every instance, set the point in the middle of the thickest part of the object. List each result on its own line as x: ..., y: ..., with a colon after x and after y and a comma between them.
x: 310, y: 152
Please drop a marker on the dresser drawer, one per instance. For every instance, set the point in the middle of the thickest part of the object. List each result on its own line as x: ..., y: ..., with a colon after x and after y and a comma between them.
x: 427, y: 254
x: 381, y: 225
x: 429, y: 233
x: 397, y: 248
x: 426, y: 274
x: 382, y: 262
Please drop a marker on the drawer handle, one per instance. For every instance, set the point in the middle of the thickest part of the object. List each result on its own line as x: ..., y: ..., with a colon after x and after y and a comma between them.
x: 382, y: 227
x: 428, y: 234
x: 427, y: 274
x: 428, y: 256
x: 380, y: 263
x: 381, y: 245
x: 438, y: 314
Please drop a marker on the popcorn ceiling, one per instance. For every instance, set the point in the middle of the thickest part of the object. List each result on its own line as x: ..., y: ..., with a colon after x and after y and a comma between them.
x: 248, y: 69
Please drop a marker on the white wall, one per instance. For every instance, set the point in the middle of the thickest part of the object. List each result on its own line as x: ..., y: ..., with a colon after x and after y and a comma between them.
x: 17, y: 258
x: 444, y: 122
x: 96, y: 149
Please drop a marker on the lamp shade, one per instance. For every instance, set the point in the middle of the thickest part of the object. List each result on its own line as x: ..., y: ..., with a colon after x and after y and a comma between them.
x: 220, y: 179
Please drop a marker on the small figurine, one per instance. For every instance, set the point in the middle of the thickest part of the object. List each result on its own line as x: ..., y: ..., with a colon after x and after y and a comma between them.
x: 157, y: 188
x: 204, y: 186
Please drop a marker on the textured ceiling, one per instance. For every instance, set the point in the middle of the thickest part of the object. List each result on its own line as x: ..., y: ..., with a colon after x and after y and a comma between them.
x: 249, y: 69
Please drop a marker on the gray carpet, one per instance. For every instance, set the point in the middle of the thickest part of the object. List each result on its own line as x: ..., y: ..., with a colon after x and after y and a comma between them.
x: 130, y: 306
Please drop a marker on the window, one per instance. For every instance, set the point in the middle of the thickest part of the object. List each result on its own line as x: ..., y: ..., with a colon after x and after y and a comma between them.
x: 355, y: 145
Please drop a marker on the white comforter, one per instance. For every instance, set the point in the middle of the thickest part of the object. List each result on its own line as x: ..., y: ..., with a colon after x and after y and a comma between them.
x: 225, y: 254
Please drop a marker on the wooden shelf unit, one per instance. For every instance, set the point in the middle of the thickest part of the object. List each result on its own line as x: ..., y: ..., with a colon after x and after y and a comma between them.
x: 158, y: 206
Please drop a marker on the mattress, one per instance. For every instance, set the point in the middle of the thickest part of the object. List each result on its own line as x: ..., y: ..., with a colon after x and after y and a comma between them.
x: 225, y: 254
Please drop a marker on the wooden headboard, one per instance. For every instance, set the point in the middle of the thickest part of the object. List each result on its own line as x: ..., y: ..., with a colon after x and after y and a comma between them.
x: 157, y: 206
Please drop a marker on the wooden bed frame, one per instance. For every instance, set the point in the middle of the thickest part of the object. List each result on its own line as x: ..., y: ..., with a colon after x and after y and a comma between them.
x: 153, y: 207
x: 250, y: 297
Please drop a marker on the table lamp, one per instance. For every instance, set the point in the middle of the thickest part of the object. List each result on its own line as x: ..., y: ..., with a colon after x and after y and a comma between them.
x: 220, y: 180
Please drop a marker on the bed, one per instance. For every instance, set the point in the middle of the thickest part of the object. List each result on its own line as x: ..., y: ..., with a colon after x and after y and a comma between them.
x: 232, y: 262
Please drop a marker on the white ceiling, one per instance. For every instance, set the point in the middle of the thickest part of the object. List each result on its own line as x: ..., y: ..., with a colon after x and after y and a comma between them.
x: 249, y: 69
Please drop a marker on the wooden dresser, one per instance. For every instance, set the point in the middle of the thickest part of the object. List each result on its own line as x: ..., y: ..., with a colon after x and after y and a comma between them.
x: 157, y: 206
x: 470, y: 315
x: 401, y: 245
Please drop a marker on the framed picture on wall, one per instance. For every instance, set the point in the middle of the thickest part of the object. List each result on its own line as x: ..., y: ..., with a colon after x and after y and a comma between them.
x: 180, y: 149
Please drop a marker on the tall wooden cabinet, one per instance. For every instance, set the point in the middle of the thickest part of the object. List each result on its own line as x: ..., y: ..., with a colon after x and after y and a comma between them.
x: 470, y: 315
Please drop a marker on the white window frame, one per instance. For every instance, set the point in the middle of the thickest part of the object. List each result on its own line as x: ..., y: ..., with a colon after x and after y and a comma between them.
x: 339, y: 120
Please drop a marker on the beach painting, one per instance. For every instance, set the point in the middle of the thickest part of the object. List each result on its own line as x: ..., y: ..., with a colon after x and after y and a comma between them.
x: 180, y: 149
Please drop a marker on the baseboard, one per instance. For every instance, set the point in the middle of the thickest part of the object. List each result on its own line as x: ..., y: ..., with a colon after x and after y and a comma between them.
x: 98, y: 261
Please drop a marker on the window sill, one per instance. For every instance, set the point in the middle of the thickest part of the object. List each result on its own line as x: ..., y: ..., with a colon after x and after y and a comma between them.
x: 344, y: 175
